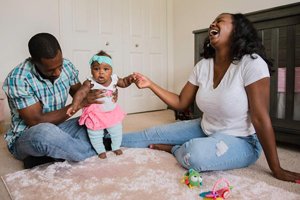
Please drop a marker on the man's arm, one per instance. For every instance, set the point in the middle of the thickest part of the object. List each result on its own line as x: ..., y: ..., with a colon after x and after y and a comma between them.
x: 33, y: 115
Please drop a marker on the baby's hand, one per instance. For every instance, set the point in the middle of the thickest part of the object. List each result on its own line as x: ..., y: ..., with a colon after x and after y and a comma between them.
x: 71, y: 111
x: 133, y: 77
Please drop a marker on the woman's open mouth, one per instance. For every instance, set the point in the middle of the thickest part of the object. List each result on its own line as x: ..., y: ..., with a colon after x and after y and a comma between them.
x: 213, y: 32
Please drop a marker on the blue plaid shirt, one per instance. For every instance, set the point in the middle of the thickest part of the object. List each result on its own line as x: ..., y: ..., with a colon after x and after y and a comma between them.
x: 24, y: 87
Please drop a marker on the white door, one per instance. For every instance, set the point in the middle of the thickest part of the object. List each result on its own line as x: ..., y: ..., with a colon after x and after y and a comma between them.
x: 133, y: 32
x: 89, y: 26
x: 144, y: 50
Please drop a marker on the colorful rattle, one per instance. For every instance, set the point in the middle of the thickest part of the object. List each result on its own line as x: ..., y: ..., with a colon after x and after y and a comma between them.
x: 223, y: 193
x: 192, y: 178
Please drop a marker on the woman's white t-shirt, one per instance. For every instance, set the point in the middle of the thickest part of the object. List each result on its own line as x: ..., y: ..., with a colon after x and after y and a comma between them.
x: 225, y: 108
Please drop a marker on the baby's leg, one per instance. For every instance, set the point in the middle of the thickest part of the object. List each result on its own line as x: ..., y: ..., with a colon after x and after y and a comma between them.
x: 96, y: 137
x: 116, y: 138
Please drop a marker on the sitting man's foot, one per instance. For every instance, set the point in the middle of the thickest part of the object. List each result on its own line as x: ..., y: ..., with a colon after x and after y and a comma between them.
x: 118, y: 152
x: 162, y: 147
x: 32, y: 161
x: 102, y: 155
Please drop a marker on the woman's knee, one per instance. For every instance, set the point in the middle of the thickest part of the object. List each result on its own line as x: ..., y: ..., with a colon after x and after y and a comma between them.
x: 191, y: 156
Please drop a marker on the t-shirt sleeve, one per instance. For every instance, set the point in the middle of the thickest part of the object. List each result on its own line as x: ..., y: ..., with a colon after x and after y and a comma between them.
x: 19, y: 92
x: 194, y: 75
x: 254, y: 70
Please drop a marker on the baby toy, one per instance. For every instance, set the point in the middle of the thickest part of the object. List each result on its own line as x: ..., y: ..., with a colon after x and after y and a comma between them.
x: 223, y: 193
x: 192, y: 178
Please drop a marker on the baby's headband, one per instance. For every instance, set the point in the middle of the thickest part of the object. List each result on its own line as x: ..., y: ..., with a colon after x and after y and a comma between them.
x: 101, y: 59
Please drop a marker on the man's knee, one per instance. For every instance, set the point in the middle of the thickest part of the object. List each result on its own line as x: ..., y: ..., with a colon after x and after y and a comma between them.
x: 43, y: 131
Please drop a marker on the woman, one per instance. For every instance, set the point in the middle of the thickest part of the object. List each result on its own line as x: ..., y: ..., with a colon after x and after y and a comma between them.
x: 231, y: 86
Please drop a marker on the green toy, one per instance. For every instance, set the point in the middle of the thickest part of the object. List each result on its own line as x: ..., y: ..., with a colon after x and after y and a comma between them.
x: 192, y: 178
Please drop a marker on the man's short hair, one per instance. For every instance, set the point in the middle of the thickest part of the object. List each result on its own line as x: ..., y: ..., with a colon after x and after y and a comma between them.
x: 43, y: 45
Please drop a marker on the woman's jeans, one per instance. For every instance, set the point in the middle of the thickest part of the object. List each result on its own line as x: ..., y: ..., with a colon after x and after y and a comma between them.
x: 68, y: 141
x: 194, y: 149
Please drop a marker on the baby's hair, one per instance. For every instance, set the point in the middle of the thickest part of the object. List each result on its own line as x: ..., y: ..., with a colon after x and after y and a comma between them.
x: 103, y: 53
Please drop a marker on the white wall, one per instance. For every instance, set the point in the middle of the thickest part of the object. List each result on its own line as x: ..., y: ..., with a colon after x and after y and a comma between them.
x: 19, y: 21
x: 190, y: 15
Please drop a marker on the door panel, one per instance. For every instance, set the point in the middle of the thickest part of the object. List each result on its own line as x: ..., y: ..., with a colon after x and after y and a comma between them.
x: 144, y: 50
x: 133, y: 32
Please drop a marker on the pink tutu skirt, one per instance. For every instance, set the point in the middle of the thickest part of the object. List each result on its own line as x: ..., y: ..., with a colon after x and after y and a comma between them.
x: 96, y: 119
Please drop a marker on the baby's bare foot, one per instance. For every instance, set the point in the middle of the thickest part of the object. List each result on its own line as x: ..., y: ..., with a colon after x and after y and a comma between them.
x: 162, y: 147
x: 102, y: 155
x: 118, y: 152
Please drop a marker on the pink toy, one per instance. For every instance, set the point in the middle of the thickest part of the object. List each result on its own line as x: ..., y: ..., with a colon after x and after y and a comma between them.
x: 223, y: 193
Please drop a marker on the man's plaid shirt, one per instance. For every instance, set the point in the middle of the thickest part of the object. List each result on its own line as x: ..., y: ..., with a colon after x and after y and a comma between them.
x: 24, y: 87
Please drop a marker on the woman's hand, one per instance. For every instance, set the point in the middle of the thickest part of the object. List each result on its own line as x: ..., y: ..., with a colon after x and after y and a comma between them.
x: 286, y: 175
x: 142, y: 81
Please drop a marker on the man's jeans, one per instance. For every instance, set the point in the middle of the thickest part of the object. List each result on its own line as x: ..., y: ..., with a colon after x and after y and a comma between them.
x: 68, y: 141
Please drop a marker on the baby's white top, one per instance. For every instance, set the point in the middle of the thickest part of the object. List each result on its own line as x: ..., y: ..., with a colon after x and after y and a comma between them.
x: 108, y: 105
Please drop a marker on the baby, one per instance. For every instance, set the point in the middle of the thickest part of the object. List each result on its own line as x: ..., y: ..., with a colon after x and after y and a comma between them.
x: 108, y: 115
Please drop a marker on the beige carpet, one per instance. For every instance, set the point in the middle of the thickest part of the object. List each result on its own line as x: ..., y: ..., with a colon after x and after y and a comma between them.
x: 137, y: 174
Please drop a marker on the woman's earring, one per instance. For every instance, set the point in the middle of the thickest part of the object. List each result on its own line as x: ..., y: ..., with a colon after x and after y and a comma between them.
x: 207, y: 44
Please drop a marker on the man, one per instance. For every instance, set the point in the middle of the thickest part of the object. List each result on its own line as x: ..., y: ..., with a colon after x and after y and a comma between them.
x: 37, y: 91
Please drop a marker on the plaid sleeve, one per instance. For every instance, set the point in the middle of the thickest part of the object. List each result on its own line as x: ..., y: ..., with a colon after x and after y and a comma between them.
x: 72, y: 72
x: 19, y: 92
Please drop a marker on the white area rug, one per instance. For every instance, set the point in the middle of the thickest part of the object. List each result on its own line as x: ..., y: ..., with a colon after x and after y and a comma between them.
x: 137, y: 174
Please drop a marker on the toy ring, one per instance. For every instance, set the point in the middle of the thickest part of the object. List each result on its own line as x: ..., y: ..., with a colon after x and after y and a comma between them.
x: 223, y: 193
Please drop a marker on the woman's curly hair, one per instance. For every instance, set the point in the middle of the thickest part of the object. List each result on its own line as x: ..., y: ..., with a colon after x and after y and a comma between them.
x: 243, y: 40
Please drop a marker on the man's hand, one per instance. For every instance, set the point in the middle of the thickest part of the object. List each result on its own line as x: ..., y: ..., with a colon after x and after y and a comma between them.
x: 114, y: 95
x: 92, y: 97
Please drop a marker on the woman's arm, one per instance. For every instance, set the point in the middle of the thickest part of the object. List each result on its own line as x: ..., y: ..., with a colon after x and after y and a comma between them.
x: 177, y: 102
x: 258, y: 97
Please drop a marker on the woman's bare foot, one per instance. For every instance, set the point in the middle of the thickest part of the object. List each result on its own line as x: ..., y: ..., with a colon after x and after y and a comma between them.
x: 162, y: 147
x: 102, y: 155
x: 118, y: 152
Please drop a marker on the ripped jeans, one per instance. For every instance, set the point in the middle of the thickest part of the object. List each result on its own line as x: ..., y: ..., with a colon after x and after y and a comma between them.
x: 194, y: 149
